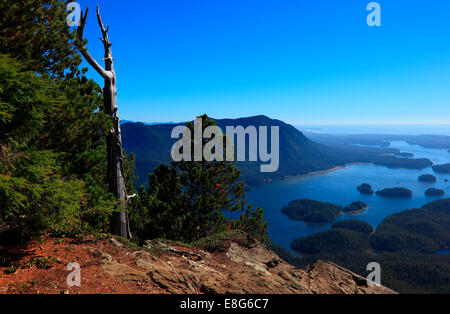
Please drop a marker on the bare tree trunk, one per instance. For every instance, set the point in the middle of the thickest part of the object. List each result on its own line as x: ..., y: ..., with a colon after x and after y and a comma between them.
x: 116, y: 178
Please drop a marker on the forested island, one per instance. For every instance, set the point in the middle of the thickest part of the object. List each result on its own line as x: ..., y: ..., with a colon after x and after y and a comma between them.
x: 404, y: 243
x: 311, y: 211
x: 443, y: 169
x: 406, y: 155
x: 429, y: 178
x: 434, y: 192
x: 395, y: 193
x: 365, y: 189
x: 318, y: 212
x: 355, y: 207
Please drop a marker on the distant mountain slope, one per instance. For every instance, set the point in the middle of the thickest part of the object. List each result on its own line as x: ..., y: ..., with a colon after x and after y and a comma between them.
x: 382, y: 140
x: 146, y: 123
x: 299, y: 155
x: 150, y: 144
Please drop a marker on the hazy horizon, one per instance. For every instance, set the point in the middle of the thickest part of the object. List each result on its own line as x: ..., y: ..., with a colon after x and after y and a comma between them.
x: 389, y: 129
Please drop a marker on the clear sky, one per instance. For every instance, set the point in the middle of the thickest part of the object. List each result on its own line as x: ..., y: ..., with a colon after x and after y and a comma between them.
x: 301, y: 61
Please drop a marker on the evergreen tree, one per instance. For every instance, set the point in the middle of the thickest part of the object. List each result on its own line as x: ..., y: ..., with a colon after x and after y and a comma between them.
x: 187, y: 201
x: 35, y: 192
x: 36, y: 32
x: 52, y: 129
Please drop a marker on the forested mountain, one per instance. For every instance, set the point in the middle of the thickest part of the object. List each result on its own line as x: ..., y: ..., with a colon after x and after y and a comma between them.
x: 151, y: 145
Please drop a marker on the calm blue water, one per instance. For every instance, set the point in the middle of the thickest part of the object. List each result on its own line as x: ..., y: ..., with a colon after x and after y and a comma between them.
x: 401, y: 129
x: 339, y: 187
x: 442, y: 252
x: 437, y: 156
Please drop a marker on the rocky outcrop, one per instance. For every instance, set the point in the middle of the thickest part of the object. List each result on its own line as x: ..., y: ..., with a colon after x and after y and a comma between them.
x: 236, y: 266
x: 251, y: 269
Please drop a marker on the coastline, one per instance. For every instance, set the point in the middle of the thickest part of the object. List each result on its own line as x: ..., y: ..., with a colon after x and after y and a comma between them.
x: 341, y: 213
x: 356, y: 211
x: 321, y: 172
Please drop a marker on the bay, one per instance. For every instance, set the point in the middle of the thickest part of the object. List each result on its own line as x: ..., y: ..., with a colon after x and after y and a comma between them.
x: 339, y: 187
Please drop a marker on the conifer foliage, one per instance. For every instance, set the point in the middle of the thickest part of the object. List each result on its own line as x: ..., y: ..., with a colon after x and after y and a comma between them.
x: 53, y: 148
x: 187, y: 200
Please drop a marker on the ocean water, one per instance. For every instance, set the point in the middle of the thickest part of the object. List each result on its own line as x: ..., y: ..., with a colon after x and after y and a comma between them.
x: 442, y: 252
x: 391, y: 129
x: 339, y: 187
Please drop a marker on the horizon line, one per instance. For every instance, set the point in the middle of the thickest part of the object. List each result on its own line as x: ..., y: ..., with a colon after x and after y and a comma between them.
x: 304, y: 124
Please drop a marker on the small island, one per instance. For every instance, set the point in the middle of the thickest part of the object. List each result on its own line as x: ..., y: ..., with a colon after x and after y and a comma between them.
x: 428, y: 178
x: 434, y: 192
x: 365, y: 189
x: 311, y: 211
x: 355, y: 207
x: 443, y: 169
x: 405, y: 155
x: 395, y: 193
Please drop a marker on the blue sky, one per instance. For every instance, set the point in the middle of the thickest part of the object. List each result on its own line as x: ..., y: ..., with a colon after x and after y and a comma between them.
x: 301, y: 61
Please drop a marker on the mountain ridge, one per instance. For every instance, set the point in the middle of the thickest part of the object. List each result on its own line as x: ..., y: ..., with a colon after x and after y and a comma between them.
x: 299, y: 155
x: 151, y: 145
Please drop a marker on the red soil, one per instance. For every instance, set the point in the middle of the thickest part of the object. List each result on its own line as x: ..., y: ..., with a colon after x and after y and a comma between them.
x: 51, y: 279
